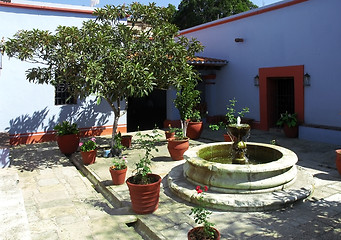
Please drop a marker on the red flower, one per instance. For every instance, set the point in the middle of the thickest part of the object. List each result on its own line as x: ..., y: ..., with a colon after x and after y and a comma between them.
x: 205, y: 188
x: 199, y: 191
x: 197, y: 188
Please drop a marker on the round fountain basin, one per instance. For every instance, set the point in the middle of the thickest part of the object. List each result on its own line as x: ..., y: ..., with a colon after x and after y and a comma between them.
x: 270, y: 169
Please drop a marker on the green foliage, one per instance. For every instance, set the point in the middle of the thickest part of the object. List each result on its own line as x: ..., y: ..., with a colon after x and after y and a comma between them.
x: 146, y: 142
x: 195, y: 116
x: 187, y: 97
x: 179, y: 134
x: 88, y: 145
x: 66, y: 128
x: 171, y: 129
x: 201, y: 214
x: 118, y: 144
x: 216, y: 127
x: 195, y: 12
x: 231, y: 115
x: 120, y: 163
x: 287, y: 118
x: 107, y: 57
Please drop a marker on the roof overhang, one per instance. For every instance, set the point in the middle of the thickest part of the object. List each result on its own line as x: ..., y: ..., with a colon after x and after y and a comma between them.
x: 202, y: 63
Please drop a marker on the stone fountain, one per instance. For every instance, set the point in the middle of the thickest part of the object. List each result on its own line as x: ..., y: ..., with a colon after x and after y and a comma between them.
x: 241, y: 176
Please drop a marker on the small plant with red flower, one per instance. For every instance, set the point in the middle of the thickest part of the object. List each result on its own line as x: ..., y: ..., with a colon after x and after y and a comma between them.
x: 120, y: 163
x: 88, y: 145
x: 201, y: 215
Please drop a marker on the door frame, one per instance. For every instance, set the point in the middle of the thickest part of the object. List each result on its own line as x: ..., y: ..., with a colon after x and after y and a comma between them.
x: 265, y: 74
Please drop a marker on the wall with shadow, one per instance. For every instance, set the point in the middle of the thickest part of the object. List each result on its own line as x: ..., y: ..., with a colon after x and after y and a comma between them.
x: 40, y: 123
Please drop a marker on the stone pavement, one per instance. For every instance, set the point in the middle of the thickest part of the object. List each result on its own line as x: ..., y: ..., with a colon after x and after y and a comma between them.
x: 61, y: 203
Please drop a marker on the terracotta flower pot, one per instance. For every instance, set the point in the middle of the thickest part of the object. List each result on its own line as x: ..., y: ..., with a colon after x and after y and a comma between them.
x: 198, y: 233
x: 194, y: 130
x: 177, y: 148
x: 338, y: 160
x: 118, y: 176
x: 290, y: 132
x: 68, y: 144
x: 89, y: 157
x: 228, y: 138
x: 126, y: 140
x: 144, y: 197
x: 169, y: 134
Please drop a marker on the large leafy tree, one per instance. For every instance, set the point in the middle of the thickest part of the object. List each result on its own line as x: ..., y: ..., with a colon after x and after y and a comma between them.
x: 108, y: 57
x: 195, y: 12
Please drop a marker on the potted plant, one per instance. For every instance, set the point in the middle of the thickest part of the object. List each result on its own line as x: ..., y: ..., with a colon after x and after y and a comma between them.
x: 178, y: 145
x: 289, y: 123
x: 201, y: 215
x: 230, y: 118
x: 126, y: 140
x: 117, y: 147
x: 144, y: 186
x: 195, y: 125
x: 67, y: 137
x: 118, y: 170
x: 171, y: 132
x: 187, y: 98
x: 88, y: 151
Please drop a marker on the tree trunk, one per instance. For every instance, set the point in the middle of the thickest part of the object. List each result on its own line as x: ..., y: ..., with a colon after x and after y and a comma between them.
x: 115, y: 123
x: 184, y: 125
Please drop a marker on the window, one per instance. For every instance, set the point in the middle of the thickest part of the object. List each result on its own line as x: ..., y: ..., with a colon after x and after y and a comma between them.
x: 63, y: 96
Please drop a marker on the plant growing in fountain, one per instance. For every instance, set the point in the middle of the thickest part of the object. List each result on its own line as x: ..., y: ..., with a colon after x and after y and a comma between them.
x: 230, y: 116
x: 201, y: 215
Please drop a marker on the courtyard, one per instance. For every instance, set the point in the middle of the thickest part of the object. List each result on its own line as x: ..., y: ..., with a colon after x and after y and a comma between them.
x: 46, y: 195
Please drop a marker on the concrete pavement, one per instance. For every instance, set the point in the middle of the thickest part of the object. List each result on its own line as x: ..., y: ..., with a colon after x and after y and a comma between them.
x: 61, y: 203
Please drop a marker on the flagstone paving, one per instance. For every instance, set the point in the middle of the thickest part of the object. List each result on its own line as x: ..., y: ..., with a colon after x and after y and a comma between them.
x: 44, y: 196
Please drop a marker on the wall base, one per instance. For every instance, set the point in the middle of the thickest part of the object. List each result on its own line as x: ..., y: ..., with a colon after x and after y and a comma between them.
x: 320, y: 134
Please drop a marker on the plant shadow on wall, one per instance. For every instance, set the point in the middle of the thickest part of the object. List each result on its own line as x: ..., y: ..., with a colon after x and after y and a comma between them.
x: 85, y: 114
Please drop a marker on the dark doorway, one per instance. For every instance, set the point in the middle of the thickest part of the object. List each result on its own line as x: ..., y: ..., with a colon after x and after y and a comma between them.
x: 147, y: 112
x: 281, y: 97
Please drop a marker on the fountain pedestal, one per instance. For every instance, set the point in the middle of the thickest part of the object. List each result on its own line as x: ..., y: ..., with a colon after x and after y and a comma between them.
x: 239, y: 131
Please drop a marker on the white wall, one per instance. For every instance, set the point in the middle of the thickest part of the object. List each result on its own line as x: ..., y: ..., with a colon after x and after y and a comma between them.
x: 26, y: 107
x: 306, y: 34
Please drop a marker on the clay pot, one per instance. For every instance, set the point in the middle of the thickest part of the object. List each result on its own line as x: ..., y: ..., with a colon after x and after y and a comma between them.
x: 194, y: 130
x: 126, y: 140
x: 68, y: 144
x: 228, y: 138
x: 198, y: 233
x: 290, y: 132
x: 144, y: 197
x: 169, y: 134
x: 177, y: 148
x: 89, y: 157
x: 118, y: 176
x: 338, y: 160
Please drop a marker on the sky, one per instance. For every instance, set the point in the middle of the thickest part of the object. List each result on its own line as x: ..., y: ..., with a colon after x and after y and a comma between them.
x: 102, y: 3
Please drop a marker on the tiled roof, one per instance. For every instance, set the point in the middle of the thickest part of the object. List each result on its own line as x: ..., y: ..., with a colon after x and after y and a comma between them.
x: 206, y: 61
